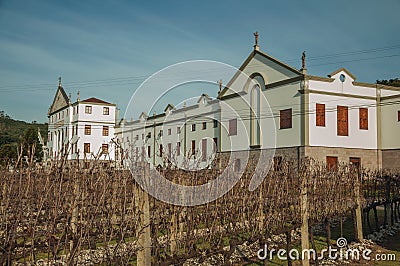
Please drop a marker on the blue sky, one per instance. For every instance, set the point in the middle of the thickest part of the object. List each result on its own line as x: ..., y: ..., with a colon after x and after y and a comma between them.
x: 106, y: 49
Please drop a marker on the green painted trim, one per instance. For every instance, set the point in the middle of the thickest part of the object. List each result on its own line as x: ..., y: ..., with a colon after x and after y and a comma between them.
x: 390, y: 97
x: 370, y: 85
x: 339, y: 94
x: 283, y: 82
x: 317, y: 78
x: 247, y: 61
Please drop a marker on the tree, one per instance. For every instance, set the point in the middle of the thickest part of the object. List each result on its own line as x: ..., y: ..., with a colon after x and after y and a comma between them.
x: 8, y: 153
x: 31, y: 140
x: 391, y: 82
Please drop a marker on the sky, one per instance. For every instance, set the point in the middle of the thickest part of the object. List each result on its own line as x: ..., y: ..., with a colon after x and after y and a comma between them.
x: 106, y: 49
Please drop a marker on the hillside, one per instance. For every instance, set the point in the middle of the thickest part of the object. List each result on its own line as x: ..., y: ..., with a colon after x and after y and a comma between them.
x: 14, y: 132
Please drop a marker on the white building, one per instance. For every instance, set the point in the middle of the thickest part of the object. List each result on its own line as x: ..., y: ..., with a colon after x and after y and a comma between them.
x: 81, y: 130
x: 333, y: 119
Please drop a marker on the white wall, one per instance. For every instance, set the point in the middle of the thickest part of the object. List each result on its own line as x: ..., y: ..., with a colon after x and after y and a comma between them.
x: 327, y: 136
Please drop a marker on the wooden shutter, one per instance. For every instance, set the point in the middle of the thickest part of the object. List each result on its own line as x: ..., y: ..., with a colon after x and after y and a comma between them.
x: 320, y: 115
x: 286, y: 118
x: 331, y: 162
x: 398, y: 115
x: 233, y: 127
x: 342, y: 121
x: 193, y: 147
x: 363, y: 118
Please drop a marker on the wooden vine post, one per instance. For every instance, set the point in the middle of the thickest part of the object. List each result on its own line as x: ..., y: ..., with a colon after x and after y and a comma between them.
x: 358, y: 211
x: 143, y: 230
x: 305, y: 244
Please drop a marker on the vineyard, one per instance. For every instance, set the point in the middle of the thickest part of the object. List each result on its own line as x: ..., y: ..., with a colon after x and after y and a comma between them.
x: 92, y: 215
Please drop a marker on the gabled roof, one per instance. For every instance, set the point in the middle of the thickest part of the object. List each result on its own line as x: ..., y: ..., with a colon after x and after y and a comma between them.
x: 60, y: 100
x: 344, y: 70
x: 95, y: 100
x: 247, y: 61
x: 169, y: 107
x: 204, y: 95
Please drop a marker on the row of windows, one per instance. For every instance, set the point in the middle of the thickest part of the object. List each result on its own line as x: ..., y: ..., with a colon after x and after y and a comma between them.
x: 178, y: 149
x: 88, y: 130
x: 204, y: 125
x: 104, y: 148
x: 88, y: 110
x: 58, y: 116
x: 320, y: 121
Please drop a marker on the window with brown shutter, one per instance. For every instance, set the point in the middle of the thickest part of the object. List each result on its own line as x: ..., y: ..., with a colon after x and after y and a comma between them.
x: 86, y: 147
x: 363, y: 118
x: 320, y: 115
x: 104, y: 148
x: 105, y: 131
x: 193, y: 147
x: 331, y: 163
x: 398, y: 116
x: 285, y: 118
x: 342, y: 121
x: 233, y: 127
x: 88, y: 130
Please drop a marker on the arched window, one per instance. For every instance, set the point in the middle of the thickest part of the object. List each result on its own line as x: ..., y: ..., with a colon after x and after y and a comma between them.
x: 255, y: 112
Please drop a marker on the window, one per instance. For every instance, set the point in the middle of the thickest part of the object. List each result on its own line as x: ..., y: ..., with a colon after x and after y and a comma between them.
x: 215, y: 122
x: 178, y: 130
x: 104, y: 148
x: 76, y: 130
x: 142, y: 135
x: 160, y: 133
x: 88, y: 129
x: 169, y: 150
x: 342, y: 121
x: 106, y: 110
x: 204, y: 125
x: 355, y: 163
x: 86, y: 147
x: 178, y: 148
x: 215, y: 144
x: 233, y: 127
x: 169, y: 131
x: 148, y: 151
x: 193, y: 127
x: 331, y: 163
x: 363, y: 113
x: 398, y: 116
x: 285, y: 118
x: 137, y: 137
x: 88, y: 109
x: 193, y: 147
x: 320, y: 115
x: 105, y: 130
x: 204, y: 150
x: 77, y: 109
x: 161, y: 150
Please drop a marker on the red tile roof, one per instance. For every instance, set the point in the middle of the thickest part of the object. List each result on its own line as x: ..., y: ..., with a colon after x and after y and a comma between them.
x: 95, y: 100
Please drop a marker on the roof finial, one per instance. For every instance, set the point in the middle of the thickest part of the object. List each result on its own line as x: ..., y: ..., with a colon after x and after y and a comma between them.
x: 220, y: 86
x: 59, y: 82
x: 256, y: 46
x: 303, y: 62
x: 79, y: 96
